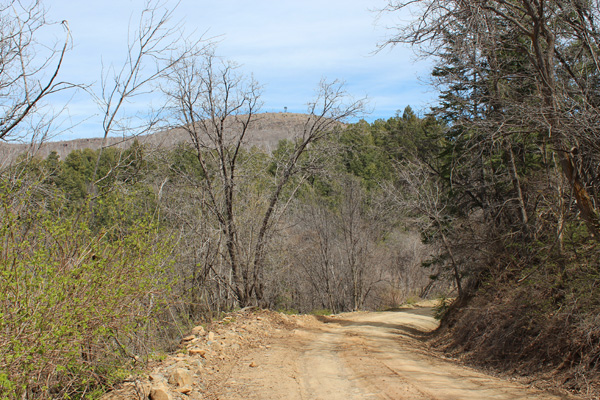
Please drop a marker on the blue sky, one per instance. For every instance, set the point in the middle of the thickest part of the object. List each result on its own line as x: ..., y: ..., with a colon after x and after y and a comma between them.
x: 288, y: 46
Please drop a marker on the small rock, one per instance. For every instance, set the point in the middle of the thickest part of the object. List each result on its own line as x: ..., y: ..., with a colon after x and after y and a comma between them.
x: 184, y: 390
x: 188, y: 338
x: 197, y: 352
x: 159, y: 393
x: 253, y: 365
x: 181, y: 377
x: 198, y: 330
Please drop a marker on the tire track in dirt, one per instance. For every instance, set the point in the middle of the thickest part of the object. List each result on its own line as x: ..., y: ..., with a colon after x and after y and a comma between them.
x: 391, y: 339
x: 362, y: 356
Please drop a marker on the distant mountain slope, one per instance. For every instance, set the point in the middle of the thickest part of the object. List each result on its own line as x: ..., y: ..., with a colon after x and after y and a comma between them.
x: 266, y: 132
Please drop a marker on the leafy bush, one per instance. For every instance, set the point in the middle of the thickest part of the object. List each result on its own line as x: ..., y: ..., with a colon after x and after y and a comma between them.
x: 71, y: 298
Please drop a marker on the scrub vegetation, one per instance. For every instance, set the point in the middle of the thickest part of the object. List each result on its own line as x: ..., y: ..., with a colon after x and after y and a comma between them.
x: 109, y: 255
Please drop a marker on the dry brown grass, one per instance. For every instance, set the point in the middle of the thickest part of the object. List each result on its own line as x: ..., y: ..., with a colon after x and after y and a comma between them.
x: 518, y: 332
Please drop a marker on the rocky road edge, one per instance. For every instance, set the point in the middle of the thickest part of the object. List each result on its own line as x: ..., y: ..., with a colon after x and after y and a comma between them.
x: 204, y: 355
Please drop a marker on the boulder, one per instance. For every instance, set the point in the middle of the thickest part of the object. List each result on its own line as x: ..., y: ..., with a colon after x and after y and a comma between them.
x: 181, y: 377
x: 159, y: 393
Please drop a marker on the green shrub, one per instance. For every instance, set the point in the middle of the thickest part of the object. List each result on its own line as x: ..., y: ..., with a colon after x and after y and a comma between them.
x: 72, y: 299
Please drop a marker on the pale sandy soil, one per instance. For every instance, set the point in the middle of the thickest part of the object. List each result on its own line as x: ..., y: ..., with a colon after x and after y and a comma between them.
x: 358, y: 356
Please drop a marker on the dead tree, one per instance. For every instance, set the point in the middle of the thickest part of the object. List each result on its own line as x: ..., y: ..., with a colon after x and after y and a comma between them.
x: 217, y: 106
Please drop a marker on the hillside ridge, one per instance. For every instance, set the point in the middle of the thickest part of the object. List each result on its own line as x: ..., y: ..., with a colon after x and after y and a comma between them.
x: 266, y: 131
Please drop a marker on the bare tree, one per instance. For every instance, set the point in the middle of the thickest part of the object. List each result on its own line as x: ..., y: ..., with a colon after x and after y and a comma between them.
x: 340, y: 248
x: 155, y: 46
x: 424, y: 197
x: 316, y: 254
x: 216, y: 106
x: 29, y: 68
x: 360, y: 234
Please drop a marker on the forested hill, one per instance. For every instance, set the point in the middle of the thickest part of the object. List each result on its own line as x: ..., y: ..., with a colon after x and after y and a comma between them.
x: 266, y: 131
x: 111, y: 251
x: 117, y: 251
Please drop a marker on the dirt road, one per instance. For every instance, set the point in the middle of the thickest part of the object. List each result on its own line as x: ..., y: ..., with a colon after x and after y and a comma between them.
x: 360, y: 356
